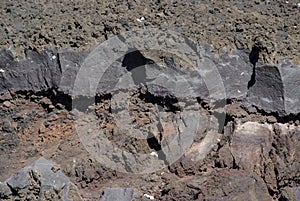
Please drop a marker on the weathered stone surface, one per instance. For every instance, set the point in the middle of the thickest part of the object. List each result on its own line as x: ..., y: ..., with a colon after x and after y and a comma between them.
x: 41, y: 180
x: 270, y: 151
x: 290, y: 75
x: 275, y: 90
x: 234, y: 68
x: 251, y: 143
x: 117, y: 194
x: 70, y: 63
x: 220, y: 185
x: 235, y: 185
x: 38, y: 71
x: 4, y: 191
x: 214, y: 77
x: 188, y: 127
x: 170, y: 137
x: 267, y: 92
x: 198, y: 21
x: 217, y: 77
x: 287, y: 146
x: 292, y: 194
x: 207, y: 137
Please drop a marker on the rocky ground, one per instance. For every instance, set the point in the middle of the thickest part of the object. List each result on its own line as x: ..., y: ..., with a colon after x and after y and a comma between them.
x: 270, y: 25
x: 245, y: 148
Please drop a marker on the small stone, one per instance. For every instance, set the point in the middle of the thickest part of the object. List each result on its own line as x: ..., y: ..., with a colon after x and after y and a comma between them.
x: 6, y: 96
x: 154, y: 153
x: 6, y: 126
x: 45, y: 101
x: 7, y: 104
x: 271, y: 119
x: 14, y: 125
x: 42, y: 153
x: 42, y: 129
x: 149, y: 196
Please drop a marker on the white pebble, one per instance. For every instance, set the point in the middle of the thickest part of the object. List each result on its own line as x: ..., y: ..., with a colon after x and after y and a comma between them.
x: 141, y: 19
x: 53, y: 57
x: 149, y: 196
x: 2, y: 70
x: 154, y: 153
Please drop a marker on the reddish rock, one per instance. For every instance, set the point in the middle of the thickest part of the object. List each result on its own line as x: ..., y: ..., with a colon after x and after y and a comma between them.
x: 7, y: 104
x: 6, y: 96
x: 251, y: 144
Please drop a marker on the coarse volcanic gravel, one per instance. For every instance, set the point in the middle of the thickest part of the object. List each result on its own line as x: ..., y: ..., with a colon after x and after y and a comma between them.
x: 271, y: 25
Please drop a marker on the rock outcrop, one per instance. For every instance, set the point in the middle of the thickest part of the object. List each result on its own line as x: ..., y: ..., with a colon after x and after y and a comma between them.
x: 216, y: 78
x: 42, y: 180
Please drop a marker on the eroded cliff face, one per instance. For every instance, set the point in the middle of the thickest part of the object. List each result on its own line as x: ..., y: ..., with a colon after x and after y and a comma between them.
x: 245, y: 144
x: 219, y: 121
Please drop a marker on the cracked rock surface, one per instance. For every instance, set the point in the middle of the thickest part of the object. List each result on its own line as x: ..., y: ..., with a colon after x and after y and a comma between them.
x: 41, y: 180
x: 155, y: 127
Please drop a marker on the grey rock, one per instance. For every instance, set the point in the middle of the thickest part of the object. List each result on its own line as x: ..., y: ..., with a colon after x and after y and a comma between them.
x: 179, y: 134
x: 267, y: 92
x: 106, y: 69
x: 70, y: 63
x: 291, y: 193
x: 39, y: 181
x: 117, y: 194
x: 4, y: 191
x: 215, y: 77
x: 297, y: 192
x: 115, y: 78
x: 198, y: 130
x: 290, y: 75
x: 37, y: 71
x: 175, y: 82
x: 190, y: 124
x: 119, y: 67
x: 275, y: 90
x: 89, y: 78
x: 234, y: 68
